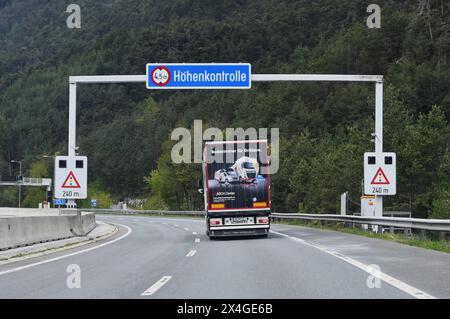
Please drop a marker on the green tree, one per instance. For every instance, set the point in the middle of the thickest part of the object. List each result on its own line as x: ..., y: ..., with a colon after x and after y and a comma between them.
x: 34, y: 196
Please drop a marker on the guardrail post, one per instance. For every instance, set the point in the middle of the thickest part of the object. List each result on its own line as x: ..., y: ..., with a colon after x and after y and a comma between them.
x: 423, y: 233
x: 442, y: 236
x: 379, y: 229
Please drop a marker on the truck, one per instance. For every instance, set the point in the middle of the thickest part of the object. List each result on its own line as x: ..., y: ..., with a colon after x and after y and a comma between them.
x: 236, y: 188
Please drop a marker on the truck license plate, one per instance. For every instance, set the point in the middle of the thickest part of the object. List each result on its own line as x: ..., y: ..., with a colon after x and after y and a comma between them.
x: 239, y: 220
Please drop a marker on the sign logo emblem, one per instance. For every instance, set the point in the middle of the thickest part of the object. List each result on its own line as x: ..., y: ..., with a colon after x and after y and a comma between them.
x: 160, y: 75
x: 71, y: 181
x: 380, y: 178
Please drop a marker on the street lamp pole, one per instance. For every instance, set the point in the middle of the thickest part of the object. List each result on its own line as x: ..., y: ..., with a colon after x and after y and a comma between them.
x: 20, y: 182
x: 48, y: 188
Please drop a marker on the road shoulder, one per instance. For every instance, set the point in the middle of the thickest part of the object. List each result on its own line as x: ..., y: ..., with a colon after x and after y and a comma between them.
x: 102, y: 231
x: 407, y: 263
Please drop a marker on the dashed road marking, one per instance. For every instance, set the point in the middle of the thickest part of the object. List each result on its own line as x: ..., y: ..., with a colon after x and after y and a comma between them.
x: 191, y: 253
x: 186, y: 229
x: 194, y: 233
x: 156, y: 286
x: 197, y: 240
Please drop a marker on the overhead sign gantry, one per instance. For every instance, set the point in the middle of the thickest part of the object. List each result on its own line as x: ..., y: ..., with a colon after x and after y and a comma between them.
x: 162, y: 76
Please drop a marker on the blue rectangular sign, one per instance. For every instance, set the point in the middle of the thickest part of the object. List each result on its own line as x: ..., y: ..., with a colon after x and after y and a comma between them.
x: 59, y: 201
x: 198, y: 76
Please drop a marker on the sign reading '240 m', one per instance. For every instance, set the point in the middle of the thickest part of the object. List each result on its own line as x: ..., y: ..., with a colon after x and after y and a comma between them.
x: 199, y: 76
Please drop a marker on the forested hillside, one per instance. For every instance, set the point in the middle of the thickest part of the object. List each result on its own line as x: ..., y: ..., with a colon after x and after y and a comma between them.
x: 325, y: 128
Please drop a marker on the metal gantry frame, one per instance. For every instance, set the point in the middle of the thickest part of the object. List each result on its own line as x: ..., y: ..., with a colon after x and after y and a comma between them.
x: 377, y: 79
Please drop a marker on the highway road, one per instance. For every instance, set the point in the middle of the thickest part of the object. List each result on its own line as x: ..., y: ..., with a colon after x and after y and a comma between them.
x: 159, y: 257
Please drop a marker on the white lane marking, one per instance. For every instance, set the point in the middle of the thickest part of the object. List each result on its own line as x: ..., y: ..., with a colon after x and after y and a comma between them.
x: 156, y: 286
x: 164, y: 223
x: 186, y: 229
x: 194, y: 233
x: 197, y: 240
x: 176, y: 226
x: 191, y: 253
x: 410, y: 290
x: 129, y: 230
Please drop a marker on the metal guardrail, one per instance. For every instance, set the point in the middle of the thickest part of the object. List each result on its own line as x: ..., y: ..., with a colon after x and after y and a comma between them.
x: 440, y: 225
x: 135, y: 211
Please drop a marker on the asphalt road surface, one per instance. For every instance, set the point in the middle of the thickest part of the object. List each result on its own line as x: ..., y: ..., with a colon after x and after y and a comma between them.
x: 156, y: 257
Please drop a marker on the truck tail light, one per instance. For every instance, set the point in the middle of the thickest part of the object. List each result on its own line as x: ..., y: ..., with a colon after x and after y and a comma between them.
x: 262, y: 220
x: 215, y: 221
x: 259, y: 204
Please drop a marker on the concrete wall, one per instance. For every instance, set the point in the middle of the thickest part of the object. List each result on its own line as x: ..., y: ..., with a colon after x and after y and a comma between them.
x: 14, y: 211
x: 18, y: 231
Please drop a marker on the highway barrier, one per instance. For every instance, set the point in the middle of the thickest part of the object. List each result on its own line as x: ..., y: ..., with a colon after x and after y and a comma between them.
x: 399, y: 222
x: 17, y: 231
x: 152, y: 212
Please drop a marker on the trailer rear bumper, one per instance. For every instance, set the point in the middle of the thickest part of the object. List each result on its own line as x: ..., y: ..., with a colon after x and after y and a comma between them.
x: 226, y: 231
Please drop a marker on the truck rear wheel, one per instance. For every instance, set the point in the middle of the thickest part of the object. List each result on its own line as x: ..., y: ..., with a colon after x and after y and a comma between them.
x: 208, y: 233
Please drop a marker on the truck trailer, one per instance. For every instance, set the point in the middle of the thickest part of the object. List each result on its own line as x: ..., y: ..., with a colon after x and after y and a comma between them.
x: 235, y: 207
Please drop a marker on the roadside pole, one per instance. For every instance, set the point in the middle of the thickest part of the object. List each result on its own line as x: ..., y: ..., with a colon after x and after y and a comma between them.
x: 72, y: 118
x: 379, y: 137
x: 72, y: 128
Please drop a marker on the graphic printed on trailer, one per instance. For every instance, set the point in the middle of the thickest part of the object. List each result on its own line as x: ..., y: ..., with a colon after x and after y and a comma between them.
x: 239, y: 180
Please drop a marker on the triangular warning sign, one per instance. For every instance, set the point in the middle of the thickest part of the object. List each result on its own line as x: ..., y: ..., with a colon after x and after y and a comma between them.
x: 71, y: 181
x: 380, y: 178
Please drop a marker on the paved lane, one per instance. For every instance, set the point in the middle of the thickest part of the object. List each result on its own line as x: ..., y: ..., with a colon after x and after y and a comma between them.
x: 173, y: 258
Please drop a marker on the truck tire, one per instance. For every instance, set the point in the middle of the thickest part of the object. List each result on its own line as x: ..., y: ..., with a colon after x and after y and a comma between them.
x: 209, y: 235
